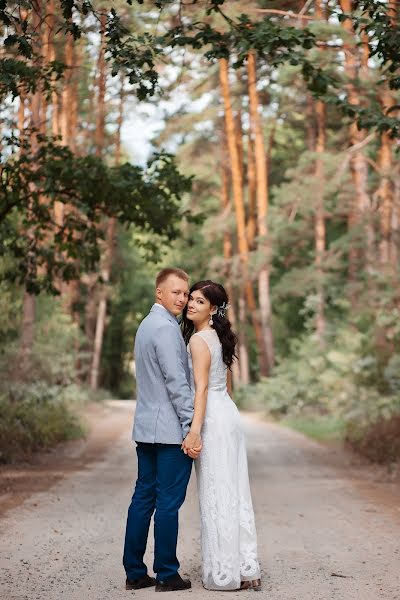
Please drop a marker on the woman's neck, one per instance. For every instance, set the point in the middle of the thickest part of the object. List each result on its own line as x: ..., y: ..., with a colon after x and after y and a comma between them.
x: 203, y: 327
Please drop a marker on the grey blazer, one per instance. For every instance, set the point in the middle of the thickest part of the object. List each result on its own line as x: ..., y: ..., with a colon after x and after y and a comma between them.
x: 164, y: 408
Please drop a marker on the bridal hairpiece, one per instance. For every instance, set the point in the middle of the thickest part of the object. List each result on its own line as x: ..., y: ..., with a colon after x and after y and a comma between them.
x: 221, y: 310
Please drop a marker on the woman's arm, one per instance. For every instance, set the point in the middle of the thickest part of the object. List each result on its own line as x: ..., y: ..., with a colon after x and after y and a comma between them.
x: 201, y: 359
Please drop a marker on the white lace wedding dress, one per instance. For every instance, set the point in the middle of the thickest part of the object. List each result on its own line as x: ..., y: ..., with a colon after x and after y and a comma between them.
x: 228, y: 534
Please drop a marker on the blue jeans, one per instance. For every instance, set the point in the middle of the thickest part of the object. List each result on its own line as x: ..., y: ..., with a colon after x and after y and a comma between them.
x: 163, y: 475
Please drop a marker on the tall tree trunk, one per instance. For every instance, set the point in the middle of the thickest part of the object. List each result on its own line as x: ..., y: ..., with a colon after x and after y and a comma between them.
x: 65, y: 126
x: 240, y: 370
x: 55, y: 101
x: 237, y: 189
x: 102, y: 307
x: 385, y: 191
x: 67, y: 135
x: 101, y: 89
x: 21, y: 117
x: 319, y: 223
x: 93, y: 298
x: 111, y: 225
x: 243, y: 345
x: 251, y: 193
x: 29, y: 300
x: 395, y: 225
x: 359, y: 220
x: 263, y: 245
x: 51, y: 56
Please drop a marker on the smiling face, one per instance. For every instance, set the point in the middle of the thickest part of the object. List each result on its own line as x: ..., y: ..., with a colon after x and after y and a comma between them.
x: 173, y: 294
x: 199, y: 309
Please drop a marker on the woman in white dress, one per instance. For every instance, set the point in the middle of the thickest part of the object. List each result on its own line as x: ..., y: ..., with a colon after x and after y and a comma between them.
x: 228, y: 534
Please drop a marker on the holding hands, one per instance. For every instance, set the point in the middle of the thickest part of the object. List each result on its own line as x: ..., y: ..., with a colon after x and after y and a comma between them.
x: 192, y: 444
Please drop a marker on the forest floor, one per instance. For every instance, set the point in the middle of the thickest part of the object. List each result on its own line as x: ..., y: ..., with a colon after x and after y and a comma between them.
x: 328, y: 525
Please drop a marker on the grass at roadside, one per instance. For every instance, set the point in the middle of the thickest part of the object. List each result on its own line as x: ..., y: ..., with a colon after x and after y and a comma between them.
x: 32, y: 425
x: 323, y: 429
x: 37, y: 416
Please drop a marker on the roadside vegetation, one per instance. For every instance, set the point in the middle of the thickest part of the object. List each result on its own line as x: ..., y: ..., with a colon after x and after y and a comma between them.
x: 274, y: 170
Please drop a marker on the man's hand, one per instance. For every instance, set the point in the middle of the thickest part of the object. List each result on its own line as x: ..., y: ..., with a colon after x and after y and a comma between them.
x: 192, y: 444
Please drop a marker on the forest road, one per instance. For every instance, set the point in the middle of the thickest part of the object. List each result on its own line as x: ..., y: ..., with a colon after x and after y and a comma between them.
x: 326, y: 529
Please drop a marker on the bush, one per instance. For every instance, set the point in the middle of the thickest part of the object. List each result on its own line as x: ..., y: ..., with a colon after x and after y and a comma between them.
x: 379, y: 442
x: 34, y: 417
x: 345, y: 391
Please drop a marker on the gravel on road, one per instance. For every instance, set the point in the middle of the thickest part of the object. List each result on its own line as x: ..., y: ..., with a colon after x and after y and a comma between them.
x: 326, y: 530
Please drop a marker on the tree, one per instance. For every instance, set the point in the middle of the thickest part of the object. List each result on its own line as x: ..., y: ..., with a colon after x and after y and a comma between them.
x: 237, y: 190
x: 256, y: 128
x: 106, y: 261
x: 28, y: 306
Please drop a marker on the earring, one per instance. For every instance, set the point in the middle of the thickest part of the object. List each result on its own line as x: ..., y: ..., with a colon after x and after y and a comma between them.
x: 210, y: 321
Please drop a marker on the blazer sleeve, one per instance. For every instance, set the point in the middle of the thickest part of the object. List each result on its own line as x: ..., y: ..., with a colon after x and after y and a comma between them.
x: 168, y: 346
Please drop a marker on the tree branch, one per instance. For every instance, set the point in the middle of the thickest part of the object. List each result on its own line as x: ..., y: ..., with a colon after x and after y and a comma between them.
x: 285, y: 13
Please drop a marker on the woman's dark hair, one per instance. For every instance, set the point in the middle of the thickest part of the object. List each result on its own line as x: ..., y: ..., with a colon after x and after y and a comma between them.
x: 216, y: 294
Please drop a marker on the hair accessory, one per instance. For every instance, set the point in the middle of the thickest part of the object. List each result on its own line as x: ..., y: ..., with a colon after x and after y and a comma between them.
x: 221, y: 310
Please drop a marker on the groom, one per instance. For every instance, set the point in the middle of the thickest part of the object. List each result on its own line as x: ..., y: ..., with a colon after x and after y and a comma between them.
x: 164, y: 412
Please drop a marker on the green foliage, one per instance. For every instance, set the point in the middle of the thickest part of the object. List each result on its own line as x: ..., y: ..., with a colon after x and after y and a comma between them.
x: 392, y: 374
x: 10, y: 304
x: 336, y: 393
x: 132, y: 295
x: 125, y: 49
x: 134, y: 55
x: 34, y: 418
x: 334, y: 381
x: 148, y: 198
x: 379, y: 441
x: 37, y: 406
x: 379, y: 20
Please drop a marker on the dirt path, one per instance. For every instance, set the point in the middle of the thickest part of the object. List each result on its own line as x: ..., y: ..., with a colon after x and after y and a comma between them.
x: 327, y: 530
x: 103, y: 423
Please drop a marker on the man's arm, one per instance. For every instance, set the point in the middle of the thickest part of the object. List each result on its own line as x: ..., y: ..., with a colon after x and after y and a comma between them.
x: 168, y: 351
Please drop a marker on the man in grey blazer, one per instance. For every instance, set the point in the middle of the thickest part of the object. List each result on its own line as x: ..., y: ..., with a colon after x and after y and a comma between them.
x: 164, y: 412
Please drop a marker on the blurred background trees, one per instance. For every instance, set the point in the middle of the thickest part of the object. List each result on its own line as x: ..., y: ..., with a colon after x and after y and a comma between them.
x: 283, y: 117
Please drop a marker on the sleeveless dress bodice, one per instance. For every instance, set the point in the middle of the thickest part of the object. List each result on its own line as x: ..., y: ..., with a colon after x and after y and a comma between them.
x: 218, y: 369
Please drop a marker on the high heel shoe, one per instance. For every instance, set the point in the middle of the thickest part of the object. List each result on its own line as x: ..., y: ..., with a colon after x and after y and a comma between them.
x: 254, y: 585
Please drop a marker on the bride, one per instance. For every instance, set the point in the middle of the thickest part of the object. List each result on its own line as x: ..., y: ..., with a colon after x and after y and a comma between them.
x: 228, y: 534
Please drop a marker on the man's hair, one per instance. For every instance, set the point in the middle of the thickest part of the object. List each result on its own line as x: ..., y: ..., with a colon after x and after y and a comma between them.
x: 164, y: 273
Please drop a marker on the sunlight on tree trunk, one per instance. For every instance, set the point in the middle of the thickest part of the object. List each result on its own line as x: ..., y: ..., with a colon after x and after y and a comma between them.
x: 243, y: 351
x: 385, y: 192
x: 264, y: 298
x: 237, y: 367
x: 251, y: 193
x: 237, y: 188
x: 359, y: 220
x: 319, y: 223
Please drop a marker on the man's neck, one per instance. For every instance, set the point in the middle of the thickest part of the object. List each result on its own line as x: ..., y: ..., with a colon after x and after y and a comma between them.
x: 162, y: 306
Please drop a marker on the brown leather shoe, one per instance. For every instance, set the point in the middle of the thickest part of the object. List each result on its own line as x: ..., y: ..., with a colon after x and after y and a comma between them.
x: 173, y: 584
x: 138, y: 584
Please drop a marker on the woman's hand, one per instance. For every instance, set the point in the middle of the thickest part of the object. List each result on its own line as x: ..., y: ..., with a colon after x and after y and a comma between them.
x: 192, y: 444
